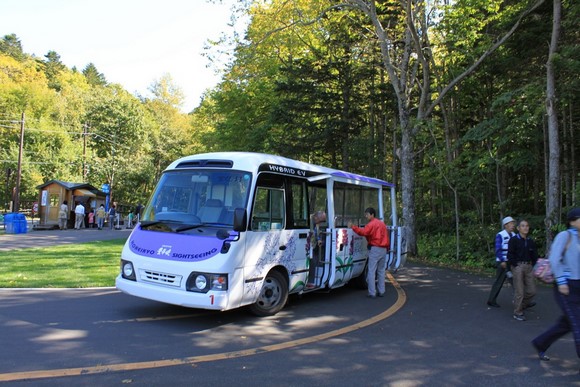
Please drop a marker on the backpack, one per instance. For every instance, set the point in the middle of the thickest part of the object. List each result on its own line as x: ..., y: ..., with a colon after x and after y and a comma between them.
x: 543, y: 269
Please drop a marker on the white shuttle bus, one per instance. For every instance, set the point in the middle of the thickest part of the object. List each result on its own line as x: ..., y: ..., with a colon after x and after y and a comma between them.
x: 230, y: 229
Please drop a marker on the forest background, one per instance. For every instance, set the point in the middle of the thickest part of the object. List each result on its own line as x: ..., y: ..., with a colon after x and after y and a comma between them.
x: 321, y: 81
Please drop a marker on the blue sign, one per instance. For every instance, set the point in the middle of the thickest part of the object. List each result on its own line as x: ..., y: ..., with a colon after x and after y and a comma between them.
x: 106, y: 188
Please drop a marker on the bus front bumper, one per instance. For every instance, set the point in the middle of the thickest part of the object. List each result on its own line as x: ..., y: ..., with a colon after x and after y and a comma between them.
x: 212, y: 300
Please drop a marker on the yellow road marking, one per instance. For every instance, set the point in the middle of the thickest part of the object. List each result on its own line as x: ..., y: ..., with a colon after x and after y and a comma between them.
x: 27, y: 375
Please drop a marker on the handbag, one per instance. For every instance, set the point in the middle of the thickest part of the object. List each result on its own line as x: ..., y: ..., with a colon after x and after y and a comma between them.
x: 543, y: 269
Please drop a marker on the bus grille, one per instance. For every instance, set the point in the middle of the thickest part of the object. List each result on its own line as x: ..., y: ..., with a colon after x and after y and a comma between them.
x: 160, y: 278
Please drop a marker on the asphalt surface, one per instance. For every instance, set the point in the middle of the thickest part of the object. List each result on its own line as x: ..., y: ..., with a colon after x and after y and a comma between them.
x: 434, y: 331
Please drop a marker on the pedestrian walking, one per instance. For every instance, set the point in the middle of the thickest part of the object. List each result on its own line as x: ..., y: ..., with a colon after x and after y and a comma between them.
x: 522, y: 256
x: 501, y: 248
x: 565, y: 263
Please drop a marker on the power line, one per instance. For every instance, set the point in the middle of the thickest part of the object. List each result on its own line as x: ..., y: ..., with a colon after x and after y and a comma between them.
x: 40, y: 162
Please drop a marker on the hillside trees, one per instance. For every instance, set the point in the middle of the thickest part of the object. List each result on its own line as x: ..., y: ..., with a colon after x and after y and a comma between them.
x: 170, y: 134
x: 78, y: 128
x: 117, y: 129
x: 94, y: 77
x: 10, y: 45
x: 53, y: 67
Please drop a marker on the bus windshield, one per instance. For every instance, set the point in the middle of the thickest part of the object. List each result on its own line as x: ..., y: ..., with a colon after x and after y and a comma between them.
x: 198, y: 197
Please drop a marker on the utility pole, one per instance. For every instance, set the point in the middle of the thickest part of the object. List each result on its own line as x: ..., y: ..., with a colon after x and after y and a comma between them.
x: 84, y: 153
x: 16, y: 198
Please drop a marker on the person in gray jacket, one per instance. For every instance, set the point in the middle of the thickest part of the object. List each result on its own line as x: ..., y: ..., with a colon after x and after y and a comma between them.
x: 565, y: 263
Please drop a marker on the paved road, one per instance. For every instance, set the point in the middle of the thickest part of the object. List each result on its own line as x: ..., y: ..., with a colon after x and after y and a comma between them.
x: 443, y: 335
x: 55, y: 237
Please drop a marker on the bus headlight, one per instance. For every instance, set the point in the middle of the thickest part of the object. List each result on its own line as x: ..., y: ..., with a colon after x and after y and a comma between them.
x: 127, y: 270
x: 200, y: 282
x: 204, y: 282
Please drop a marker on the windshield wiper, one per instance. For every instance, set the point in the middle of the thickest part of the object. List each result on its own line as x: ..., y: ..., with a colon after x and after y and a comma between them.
x: 146, y: 224
x: 189, y: 227
x: 160, y: 225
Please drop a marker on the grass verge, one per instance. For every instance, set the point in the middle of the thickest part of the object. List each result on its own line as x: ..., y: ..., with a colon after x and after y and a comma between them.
x: 92, y: 264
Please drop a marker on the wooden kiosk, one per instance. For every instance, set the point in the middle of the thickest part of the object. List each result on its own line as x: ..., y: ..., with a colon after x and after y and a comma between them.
x: 54, y: 192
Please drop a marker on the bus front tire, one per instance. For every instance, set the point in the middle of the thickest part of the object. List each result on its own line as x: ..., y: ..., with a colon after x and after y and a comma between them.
x: 273, y: 295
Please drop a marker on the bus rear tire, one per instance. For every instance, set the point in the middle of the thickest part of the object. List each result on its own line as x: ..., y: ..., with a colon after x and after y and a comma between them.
x: 273, y: 295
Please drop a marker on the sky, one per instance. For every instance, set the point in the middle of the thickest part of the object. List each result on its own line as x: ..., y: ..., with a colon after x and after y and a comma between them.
x: 131, y: 42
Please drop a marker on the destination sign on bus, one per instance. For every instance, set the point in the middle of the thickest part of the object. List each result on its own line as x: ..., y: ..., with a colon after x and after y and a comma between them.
x: 282, y: 169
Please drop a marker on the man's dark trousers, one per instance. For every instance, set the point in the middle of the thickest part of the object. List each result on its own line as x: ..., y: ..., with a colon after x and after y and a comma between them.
x: 496, y: 287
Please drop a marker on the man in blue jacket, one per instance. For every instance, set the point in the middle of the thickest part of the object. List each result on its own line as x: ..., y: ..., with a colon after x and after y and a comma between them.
x: 501, y: 248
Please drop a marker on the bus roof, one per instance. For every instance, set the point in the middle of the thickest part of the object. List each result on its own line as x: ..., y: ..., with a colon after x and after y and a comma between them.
x: 252, y: 162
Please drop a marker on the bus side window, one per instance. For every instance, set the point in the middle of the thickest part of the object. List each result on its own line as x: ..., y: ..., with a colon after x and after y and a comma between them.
x: 299, y: 204
x: 268, y: 212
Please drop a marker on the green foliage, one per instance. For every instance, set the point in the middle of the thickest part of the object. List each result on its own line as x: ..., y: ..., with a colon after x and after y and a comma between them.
x: 53, y: 67
x: 10, y: 45
x: 167, y: 92
x: 310, y: 83
x: 93, y: 76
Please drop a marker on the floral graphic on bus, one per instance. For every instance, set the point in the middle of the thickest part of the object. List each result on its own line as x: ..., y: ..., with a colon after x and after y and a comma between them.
x: 273, y: 256
x: 343, y: 268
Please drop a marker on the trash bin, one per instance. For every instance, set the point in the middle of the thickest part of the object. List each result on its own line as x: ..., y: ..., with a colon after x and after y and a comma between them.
x: 20, y: 224
x: 15, y: 223
x: 9, y: 223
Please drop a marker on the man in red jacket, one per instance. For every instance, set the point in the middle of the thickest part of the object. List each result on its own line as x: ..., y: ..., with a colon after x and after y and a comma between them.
x: 378, y: 243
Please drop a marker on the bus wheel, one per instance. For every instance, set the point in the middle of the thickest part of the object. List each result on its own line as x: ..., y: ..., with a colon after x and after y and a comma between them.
x: 273, y: 295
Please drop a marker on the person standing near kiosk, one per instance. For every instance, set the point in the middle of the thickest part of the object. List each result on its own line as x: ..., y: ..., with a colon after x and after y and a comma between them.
x: 79, y: 216
x: 63, y: 215
x: 112, y: 216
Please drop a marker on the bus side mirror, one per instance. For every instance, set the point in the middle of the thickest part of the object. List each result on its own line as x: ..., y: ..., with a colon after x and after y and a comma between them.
x: 240, y: 219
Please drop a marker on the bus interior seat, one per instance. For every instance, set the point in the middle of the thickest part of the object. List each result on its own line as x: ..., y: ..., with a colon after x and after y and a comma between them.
x: 212, y: 211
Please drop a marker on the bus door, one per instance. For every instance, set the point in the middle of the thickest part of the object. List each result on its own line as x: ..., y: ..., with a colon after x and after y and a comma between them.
x: 320, y: 235
x: 342, y: 257
x: 396, y: 256
x: 321, y: 262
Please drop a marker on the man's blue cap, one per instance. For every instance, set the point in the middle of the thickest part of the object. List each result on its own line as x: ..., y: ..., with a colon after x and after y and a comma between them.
x: 573, y: 214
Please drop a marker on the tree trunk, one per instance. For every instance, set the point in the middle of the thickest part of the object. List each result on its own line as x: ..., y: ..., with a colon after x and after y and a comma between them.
x: 553, y: 194
x: 408, y: 185
x: 573, y: 166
